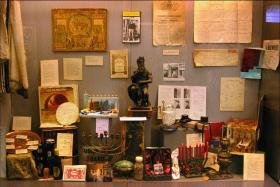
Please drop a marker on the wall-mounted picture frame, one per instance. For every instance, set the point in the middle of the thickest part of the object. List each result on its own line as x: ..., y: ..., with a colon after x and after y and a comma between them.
x: 74, y: 172
x: 119, y: 63
x: 131, y: 27
x: 79, y: 29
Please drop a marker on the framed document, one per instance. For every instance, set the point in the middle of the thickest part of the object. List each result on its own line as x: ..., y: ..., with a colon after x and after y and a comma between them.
x: 79, y: 29
x: 131, y: 27
x: 119, y: 63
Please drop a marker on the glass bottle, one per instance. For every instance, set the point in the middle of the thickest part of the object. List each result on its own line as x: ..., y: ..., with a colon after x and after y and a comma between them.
x: 138, y: 168
x: 49, y: 152
x: 39, y: 159
x: 56, y: 165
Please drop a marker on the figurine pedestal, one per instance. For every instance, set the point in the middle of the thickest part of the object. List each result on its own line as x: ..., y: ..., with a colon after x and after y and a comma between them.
x: 139, y: 112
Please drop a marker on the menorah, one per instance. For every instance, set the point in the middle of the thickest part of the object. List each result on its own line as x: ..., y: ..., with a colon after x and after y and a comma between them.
x: 105, y: 145
x: 192, y: 159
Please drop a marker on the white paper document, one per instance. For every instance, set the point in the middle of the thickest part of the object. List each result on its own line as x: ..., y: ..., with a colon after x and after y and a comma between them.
x: 190, y: 100
x: 73, y: 68
x: 65, y: 144
x: 232, y: 90
x: 169, y: 23
x: 49, y: 73
x: 223, y: 21
x: 253, y: 167
x: 94, y: 60
x: 271, y: 54
x: 215, y: 57
x: 102, y: 125
x: 171, y: 52
x: 194, y: 139
x: 21, y: 123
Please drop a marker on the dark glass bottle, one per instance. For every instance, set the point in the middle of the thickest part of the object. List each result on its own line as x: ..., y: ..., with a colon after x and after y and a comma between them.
x: 56, y: 166
x: 39, y: 160
x: 48, y: 154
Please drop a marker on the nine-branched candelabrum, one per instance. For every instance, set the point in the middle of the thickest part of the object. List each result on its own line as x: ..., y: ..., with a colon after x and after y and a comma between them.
x: 104, y: 144
x: 192, y: 159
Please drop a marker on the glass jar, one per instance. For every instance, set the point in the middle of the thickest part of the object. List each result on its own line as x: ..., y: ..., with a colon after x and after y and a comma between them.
x: 168, y: 115
x: 138, y: 168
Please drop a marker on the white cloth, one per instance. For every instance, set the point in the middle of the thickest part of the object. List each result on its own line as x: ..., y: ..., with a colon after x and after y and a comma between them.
x: 18, y: 73
x: 4, y: 40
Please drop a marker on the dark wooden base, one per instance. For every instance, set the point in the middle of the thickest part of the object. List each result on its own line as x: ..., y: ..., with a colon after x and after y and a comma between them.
x: 140, y: 111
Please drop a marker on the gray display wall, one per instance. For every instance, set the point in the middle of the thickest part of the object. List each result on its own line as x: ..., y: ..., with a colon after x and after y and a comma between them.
x: 36, y: 17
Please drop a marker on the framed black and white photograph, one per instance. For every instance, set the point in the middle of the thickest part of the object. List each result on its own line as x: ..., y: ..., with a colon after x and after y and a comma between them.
x: 131, y: 27
x: 173, y: 71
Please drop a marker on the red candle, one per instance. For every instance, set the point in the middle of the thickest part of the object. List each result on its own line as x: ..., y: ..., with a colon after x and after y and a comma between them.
x: 179, y: 152
x: 186, y: 153
x: 196, y: 151
x: 206, y: 150
x: 202, y: 150
x: 182, y: 152
x: 199, y: 148
x: 190, y: 152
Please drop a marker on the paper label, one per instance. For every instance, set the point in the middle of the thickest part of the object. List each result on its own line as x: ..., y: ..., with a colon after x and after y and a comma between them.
x: 21, y: 151
x: 170, y: 52
x: 10, y: 140
x: 11, y: 146
x: 21, y: 136
x: 35, y: 142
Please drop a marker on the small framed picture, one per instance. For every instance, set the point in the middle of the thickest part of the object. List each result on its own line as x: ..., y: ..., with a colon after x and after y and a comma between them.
x: 74, y: 172
x: 131, y: 27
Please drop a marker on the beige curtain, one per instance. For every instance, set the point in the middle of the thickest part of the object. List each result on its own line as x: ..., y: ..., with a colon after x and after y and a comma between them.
x: 12, y: 46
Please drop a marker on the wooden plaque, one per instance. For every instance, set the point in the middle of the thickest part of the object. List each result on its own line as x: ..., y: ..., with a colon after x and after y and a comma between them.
x: 79, y: 29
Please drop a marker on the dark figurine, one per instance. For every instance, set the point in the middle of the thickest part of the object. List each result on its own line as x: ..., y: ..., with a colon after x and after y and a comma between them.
x: 138, y: 90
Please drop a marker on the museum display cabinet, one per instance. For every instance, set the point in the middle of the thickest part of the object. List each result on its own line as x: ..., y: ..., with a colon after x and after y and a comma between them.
x: 139, y: 93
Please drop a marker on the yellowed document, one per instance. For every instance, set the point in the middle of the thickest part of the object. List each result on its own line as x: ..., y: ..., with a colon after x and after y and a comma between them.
x: 223, y: 21
x: 232, y: 94
x: 253, y: 167
x: 119, y: 63
x: 169, y: 23
x: 73, y: 68
x: 49, y: 73
x: 193, y: 139
x: 65, y: 144
x: 94, y: 60
x: 271, y: 55
x: 215, y: 57
x: 21, y: 123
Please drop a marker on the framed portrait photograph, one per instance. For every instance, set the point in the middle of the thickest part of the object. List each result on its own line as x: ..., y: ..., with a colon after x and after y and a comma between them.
x: 131, y: 27
x: 79, y: 29
x: 74, y: 172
